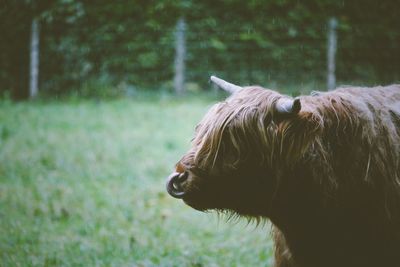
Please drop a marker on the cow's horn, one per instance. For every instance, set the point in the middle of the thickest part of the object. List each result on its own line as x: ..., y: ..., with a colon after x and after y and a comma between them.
x: 229, y: 87
x: 288, y: 106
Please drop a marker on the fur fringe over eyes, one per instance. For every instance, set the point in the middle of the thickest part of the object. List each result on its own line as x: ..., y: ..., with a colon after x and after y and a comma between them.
x: 247, y: 124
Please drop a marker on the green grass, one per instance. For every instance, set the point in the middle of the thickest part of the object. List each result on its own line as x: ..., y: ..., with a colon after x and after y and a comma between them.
x: 82, y: 184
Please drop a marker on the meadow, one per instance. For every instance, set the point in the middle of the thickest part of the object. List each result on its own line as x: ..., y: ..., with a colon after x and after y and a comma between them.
x: 82, y: 183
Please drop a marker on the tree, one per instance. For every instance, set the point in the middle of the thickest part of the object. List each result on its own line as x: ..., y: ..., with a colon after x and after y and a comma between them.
x: 86, y: 45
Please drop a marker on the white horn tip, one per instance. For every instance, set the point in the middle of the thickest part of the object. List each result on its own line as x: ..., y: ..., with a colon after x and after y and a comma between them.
x: 216, y: 80
x: 229, y: 87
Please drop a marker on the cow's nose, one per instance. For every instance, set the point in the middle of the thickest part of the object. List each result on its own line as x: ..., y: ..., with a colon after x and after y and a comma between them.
x: 174, y: 184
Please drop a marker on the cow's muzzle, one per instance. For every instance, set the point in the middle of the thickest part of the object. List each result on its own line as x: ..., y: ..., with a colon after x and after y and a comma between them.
x: 174, y: 184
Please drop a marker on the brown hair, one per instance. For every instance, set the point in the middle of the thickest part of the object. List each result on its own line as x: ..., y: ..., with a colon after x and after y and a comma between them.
x: 335, y: 161
x: 247, y: 122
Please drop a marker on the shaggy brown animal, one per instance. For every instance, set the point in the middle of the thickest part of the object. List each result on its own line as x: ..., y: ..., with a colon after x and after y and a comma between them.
x: 323, y: 168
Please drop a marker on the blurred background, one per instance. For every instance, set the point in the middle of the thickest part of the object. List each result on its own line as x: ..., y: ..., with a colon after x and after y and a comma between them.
x: 99, y: 99
x: 115, y: 48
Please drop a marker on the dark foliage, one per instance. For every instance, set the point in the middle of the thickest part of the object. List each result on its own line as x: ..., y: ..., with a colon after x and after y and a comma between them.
x: 130, y: 44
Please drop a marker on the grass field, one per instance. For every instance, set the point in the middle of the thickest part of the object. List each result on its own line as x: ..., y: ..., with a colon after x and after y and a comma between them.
x: 82, y: 184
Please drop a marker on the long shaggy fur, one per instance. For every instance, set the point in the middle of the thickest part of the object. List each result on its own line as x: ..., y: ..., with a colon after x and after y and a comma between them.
x: 327, y: 177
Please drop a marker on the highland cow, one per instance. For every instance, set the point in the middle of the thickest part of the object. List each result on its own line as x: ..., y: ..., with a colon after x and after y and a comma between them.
x: 324, y: 169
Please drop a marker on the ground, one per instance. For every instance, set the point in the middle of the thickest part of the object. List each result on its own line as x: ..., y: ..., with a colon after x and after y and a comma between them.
x: 82, y: 184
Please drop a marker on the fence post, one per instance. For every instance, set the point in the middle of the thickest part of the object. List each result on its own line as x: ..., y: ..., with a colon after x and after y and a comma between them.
x: 331, y: 53
x: 180, y: 55
x: 34, y: 59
